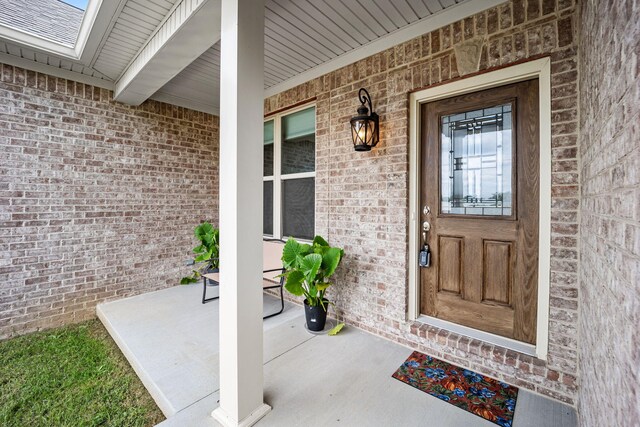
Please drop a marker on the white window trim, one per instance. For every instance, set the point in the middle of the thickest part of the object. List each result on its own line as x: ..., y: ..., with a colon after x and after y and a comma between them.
x: 540, y: 68
x: 278, y: 177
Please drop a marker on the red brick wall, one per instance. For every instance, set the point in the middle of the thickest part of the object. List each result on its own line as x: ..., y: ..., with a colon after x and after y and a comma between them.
x: 362, y: 198
x: 610, y: 213
x: 97, y: 199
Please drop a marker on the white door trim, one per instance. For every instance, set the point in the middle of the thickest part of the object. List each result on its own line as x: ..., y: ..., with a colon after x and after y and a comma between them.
x: 540, y: 68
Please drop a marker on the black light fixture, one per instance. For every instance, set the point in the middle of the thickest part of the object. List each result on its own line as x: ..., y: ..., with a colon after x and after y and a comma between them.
x: 364, y: 127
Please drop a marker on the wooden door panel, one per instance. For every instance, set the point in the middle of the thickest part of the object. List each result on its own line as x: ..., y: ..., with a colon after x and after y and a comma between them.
x: 472, y: 287
x: 450, y: 248
x: 484, y: 244
x: 497, y: 271
x: 498, y: 230
x: 485, y: 317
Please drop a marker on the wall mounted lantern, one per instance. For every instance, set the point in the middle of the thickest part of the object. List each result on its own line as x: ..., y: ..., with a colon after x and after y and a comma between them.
x: 364, y: 127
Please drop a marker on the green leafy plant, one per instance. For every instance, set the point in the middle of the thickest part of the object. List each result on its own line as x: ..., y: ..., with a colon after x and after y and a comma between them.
x: 308, y: 269
x: 206, y: 253
x: 336, y: 329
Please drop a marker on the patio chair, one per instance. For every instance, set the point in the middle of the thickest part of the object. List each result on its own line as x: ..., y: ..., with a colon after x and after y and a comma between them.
x: 272, y: 267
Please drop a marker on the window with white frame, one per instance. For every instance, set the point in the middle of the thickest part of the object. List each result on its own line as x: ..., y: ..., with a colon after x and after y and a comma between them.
x: 289, y: 174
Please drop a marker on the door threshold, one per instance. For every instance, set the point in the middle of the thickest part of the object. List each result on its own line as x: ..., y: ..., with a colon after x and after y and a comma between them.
x: 487, y: 337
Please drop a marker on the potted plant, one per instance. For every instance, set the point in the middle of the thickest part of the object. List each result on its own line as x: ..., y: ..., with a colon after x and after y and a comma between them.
x: 308, y: 269
x: 206, y: 253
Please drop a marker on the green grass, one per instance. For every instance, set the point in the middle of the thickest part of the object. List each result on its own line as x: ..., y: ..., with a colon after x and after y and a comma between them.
x: 72, y: 376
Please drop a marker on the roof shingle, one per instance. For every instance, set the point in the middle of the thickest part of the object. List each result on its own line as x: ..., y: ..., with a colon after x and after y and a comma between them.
x: 51, y: 19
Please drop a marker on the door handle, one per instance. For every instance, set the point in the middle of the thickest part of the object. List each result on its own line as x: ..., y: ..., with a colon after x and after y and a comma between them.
x: 426, y: 226
x: 424, y: 259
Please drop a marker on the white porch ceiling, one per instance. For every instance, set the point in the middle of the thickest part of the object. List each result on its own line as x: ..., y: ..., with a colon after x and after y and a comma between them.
x: 300, y: 36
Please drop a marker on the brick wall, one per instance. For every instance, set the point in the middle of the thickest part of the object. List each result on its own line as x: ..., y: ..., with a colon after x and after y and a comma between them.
x: 97, y: 199
x: 362, y: 198
x: 610, y: 213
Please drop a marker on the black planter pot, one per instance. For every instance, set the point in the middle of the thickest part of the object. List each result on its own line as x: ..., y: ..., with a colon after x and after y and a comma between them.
x: 316, y: 316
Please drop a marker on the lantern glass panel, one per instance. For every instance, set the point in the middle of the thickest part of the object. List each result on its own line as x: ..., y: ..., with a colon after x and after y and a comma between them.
x: 371, y: 132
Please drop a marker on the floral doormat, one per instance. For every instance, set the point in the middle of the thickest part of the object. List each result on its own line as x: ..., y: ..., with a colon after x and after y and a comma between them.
x: 490, y: 399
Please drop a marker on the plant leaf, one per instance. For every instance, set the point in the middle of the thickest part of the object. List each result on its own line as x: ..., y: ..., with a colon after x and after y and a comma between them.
x: 331, y: 260
x: 305, y: 249
x: 320, y: 241
x: 188, y: 280
x: 203, y: 230
x: 323, y: 286
x: 294, y: 282
x: 336, y: 329
x: 313, y: 293
x: 290, y: 252
x: 204, y: 257
x: 310, y: 266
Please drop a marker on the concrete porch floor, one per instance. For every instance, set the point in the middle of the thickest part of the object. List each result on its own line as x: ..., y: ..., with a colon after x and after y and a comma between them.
x: 171, y: 340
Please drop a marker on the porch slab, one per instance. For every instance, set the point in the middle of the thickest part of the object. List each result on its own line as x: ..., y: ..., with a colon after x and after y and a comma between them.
x: 170, y: 339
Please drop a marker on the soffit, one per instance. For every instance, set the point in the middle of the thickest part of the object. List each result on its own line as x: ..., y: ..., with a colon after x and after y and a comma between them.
x: 301, y: 35
x: 135, y: 24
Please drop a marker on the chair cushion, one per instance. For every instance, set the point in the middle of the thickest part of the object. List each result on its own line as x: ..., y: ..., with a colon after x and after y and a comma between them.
x: 271, y: 259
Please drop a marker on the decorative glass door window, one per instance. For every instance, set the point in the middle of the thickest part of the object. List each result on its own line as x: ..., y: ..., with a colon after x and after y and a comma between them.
x: 476, y: 149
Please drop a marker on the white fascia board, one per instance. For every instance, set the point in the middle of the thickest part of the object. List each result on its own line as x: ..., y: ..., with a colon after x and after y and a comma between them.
x: 37, y: 43
x: 192, y: 28
x: 418, y: 28
x: 98, y: 19
x: 16, y: 61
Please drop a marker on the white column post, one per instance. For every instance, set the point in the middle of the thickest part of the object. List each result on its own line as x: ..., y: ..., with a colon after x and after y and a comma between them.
x: 241, y: 128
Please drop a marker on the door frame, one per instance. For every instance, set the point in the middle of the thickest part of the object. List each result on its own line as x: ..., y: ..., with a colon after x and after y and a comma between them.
x: 538, y: 68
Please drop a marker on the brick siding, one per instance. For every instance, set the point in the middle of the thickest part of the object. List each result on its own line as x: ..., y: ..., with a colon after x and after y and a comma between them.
x: 362, y: 198
x: 98, y: 200
x: 610, y: 213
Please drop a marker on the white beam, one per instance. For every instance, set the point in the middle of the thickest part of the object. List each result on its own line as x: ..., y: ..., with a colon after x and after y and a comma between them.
x: 241, y: 116
x: 186, y: 102
x: 192, y: 28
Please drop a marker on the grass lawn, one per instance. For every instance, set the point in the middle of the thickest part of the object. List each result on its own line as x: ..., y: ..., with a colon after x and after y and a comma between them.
x: 71, y: 376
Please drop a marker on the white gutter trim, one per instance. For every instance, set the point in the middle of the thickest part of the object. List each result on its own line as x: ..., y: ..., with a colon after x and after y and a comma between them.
x: 88, y: 19
x: 39, y: 67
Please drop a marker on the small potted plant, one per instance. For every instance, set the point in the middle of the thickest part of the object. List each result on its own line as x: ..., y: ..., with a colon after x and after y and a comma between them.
x: 206, y: 253
x: 308, y: 269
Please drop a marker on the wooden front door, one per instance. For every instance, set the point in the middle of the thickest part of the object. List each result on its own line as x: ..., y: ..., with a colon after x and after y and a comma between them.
x: 479, y: 194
